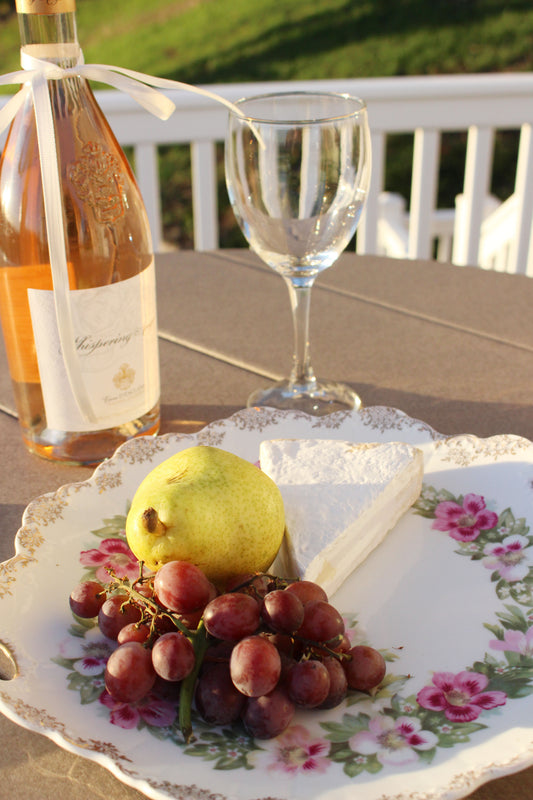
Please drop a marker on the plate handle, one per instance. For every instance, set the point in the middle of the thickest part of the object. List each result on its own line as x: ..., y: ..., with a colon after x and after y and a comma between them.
x: 8, y: 663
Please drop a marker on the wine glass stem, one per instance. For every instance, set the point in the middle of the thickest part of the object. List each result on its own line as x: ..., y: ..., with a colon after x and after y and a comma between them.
x: 300, y: 298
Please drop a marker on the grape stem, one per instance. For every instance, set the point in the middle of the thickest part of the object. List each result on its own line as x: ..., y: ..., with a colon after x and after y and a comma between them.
x: 200, y: 642
x: 147, y: 604
x: 199, y: 638
x: 311, y: 646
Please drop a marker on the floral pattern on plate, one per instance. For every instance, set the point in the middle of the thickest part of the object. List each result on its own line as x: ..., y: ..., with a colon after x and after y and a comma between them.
x: 399, y: 729
x: 447, y: 717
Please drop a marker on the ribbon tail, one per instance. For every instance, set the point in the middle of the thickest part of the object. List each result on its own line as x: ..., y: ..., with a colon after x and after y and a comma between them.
x: 167, y: 83
x: 154, y: 102
x: 15, y: 103
x: 162, y: 107
x: 53, y: 203
x: 20, y: 76
x: 9, y: 111
x: 102, y: 72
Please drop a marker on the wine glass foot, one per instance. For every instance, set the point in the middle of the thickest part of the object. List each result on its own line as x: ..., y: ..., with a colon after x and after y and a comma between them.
x: 323, y: 397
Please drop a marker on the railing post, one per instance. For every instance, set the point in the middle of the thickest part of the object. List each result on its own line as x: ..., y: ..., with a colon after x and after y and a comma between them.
x: 423, y: 192
x: 428, y: 105
x: 367, y: 231
x: 519, y: 245
x: 476, y: 188
x: 147, y: 176
x: 204, y: 195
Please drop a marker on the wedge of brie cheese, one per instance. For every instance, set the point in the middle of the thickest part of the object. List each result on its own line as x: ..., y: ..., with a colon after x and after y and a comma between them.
x: 341, y: 500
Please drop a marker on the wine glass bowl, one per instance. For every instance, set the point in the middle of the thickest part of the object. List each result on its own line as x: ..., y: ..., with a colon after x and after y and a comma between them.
x: 298, y: 172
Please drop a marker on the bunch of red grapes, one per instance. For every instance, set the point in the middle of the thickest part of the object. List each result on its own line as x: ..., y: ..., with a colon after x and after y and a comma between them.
x: 256, y: 652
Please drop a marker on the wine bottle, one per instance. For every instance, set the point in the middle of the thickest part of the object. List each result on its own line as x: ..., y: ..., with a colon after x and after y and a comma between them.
x: 109, y: 258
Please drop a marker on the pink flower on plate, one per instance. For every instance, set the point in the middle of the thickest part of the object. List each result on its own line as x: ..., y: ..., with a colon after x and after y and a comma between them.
x: 508, y: 557
x: 91, y: 652
x: 152, y: 709
x: 464, y: 523
x: 515, y: 642
x: 461, y: 696
x: 297, y: 751
x: 112, y: 553
x: 393, y: 741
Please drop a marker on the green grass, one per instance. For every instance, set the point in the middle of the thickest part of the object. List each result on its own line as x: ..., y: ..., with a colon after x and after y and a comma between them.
x: 216, y: 41
x: 235, y: 40
x: 211, y: 41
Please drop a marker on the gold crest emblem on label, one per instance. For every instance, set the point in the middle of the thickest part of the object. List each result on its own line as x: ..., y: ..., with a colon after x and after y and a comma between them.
x: 124, y: 378
x: 96, y: 178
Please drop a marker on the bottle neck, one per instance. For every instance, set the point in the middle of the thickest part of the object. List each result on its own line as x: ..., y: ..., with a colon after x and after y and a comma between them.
x: 51, y: 37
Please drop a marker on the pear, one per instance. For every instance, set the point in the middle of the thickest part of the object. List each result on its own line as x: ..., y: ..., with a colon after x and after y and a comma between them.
x: 210, y: 507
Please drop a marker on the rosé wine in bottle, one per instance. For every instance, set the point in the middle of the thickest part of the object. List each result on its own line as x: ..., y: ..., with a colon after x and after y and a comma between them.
x: 109, y: 260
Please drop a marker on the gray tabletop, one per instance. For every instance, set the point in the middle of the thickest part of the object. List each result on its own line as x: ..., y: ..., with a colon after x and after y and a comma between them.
x: 452, y: 346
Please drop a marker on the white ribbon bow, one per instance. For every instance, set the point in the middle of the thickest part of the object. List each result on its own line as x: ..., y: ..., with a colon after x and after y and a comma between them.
x: 34, y: 76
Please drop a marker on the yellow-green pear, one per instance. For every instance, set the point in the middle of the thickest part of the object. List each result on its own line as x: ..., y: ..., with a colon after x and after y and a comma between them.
x: 210, y: 507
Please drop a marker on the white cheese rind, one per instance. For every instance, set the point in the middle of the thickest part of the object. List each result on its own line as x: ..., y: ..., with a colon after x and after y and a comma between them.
x: 341, y: 500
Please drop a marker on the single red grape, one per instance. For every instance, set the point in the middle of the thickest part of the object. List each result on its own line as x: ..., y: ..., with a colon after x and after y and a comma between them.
x: 322, y: 622
x: 181, y: 586
x: 87, y: 598
x: 338, y: 683
x: 133, y: 632
x: 232, y: 616
x: 145, y: 589
x: 365, y: 669
x: 217, y: 699
x: 129, y: 674
x: 173, y: 656
x: 255, y: 585
x: 115, y: 613
x: 282, y: 611
x: 308, y: 683
x: 268, y: 716
x: 255, y: 666
x: 192, y: 619
x: 307, y: 591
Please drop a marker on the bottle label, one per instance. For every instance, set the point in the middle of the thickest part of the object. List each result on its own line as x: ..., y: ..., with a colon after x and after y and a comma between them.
x: 16, y: 318
x: 116, y: 340
x: 45, y: 6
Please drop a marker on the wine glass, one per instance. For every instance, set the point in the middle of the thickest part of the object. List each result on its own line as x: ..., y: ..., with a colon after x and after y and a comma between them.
x: 298, y: 171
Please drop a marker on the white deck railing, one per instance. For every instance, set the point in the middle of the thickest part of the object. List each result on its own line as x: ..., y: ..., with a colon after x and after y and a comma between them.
x: 426, y: 106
